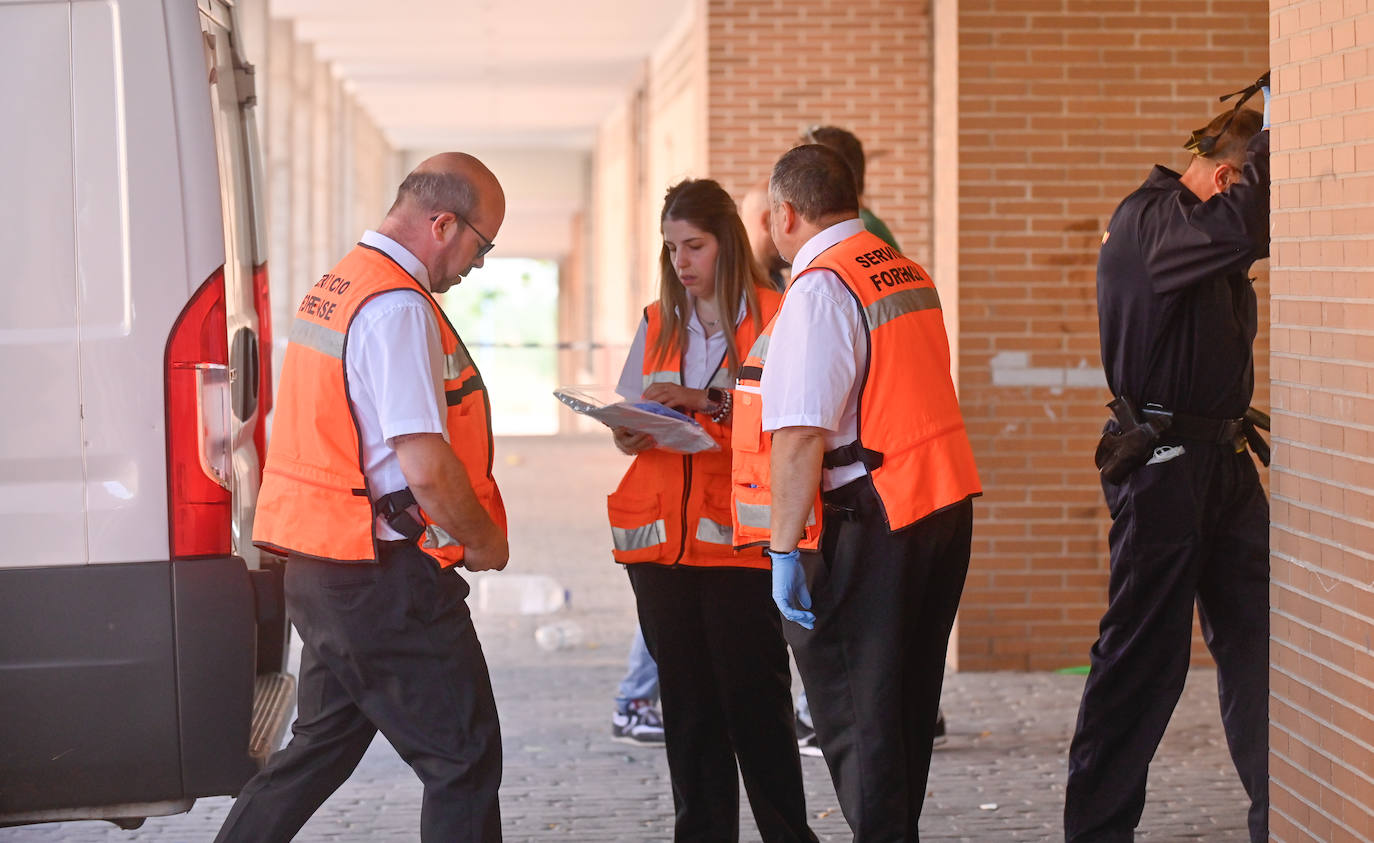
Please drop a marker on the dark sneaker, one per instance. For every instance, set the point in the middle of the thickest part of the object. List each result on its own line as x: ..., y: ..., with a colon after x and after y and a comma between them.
x: 806, y: 739
x: 940, y: 736
x: 640, y: 723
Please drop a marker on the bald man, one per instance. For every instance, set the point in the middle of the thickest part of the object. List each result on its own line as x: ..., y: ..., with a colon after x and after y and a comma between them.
x: 377, y: 488
x: 753, y: 210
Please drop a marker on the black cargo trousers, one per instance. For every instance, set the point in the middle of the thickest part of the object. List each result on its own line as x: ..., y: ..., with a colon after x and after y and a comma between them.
x: 1192, y: 529
x: 388, y: 647
x: 873, y: 667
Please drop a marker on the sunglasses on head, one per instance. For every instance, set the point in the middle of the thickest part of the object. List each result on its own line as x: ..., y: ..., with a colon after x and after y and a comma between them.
x: 1201, y: 143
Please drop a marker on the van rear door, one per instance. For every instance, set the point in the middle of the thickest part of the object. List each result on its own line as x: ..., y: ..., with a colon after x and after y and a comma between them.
x: 131, y: 640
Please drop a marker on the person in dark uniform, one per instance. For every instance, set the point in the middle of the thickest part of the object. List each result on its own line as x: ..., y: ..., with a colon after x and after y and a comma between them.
x: 1177, y: 317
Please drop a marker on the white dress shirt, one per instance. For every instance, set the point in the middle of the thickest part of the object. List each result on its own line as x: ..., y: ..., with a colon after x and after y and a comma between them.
x: 699, y: 364
x: 816, y: 355
x: 394, y: 368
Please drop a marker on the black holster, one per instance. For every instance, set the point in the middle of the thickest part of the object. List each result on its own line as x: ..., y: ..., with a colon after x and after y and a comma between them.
x: 394, y: 509
x: 1130, y: 446
x: 1255, y: 421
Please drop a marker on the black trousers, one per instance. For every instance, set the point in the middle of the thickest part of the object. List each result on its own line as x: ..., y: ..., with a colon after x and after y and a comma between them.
x: 874, y: 665
x: 387, y: 647
x: 726, y: 691
x: 1195, y: 528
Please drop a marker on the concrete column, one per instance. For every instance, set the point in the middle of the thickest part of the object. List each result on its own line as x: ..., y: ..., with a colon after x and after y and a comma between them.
x: 301, y: 165
x: 323, y: 184
x: 371, y: 172
x: 277, y: 129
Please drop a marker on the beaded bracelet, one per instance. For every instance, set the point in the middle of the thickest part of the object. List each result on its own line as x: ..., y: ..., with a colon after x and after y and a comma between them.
x: 726, y: 404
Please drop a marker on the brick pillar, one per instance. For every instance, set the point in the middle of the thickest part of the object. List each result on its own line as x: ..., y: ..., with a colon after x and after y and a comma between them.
x: 1322, y: 617
x: 863, y: 65
x: 1063, y: 108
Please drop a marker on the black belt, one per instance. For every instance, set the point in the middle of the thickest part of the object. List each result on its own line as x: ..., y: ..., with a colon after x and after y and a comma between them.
x: 852, y: 453
x: 1196, y: 428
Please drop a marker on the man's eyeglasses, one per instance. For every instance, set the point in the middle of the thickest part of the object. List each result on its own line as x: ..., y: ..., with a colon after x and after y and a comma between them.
x: 487, y: 245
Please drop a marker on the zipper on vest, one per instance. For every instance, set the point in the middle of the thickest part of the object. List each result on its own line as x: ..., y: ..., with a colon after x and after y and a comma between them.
x: 686, y: 496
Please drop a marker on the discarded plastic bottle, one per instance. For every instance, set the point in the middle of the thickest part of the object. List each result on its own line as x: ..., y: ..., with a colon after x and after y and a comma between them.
x: 523, y: 594
x: 563, y: 635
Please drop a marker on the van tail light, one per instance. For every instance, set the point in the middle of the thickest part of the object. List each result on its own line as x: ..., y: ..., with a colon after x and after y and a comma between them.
x: 199, y: 436
x: 262, y: 303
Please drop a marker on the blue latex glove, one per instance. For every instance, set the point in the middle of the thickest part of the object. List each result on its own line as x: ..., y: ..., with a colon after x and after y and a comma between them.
x: 1265, y: 91
x: 789, y: 588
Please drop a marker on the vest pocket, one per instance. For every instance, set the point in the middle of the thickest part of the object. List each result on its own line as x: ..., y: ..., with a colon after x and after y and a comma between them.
x: 638, y: 529
x: 714, y: 527
x: 752, y: 513
x: 747, y: 427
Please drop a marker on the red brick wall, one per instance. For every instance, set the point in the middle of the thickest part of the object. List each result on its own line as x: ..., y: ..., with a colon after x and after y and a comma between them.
x: 1322, y: 618
x: 1064, y: 106
x: 778, y: 66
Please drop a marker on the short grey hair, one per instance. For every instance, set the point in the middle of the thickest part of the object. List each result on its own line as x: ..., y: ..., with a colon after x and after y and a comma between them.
x: 436, y: 190
x: 816, y: 181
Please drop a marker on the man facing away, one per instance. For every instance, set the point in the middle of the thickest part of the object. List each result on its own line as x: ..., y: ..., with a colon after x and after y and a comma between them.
x: 851, y: 149
x: 840, y: 443
x: 377, y: 486
x: 1177, y: 316
x: 753, y: 211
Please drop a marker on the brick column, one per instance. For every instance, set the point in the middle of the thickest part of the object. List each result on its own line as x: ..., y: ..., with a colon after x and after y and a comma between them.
x: 1322, y: 593
x: 863, y: 65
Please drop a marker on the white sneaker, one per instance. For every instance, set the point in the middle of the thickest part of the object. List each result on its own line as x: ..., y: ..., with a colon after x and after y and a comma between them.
x: 641, y: 723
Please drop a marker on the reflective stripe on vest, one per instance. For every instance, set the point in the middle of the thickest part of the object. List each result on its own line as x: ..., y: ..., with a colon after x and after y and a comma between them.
x: 639, y: 538
x: 760, y: 515
x: 314, y: 335
x: 714, y: 532
x: 456, y: 362
x: 886, y: 309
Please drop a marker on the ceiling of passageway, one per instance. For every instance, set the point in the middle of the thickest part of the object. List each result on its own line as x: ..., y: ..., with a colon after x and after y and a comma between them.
x: 510, y: 73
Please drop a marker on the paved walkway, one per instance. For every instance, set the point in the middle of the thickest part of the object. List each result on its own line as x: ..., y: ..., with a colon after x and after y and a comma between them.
x: 1000, y: 777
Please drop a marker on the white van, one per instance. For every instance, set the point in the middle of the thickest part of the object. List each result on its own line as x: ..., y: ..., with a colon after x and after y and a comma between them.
x: 142, y: 639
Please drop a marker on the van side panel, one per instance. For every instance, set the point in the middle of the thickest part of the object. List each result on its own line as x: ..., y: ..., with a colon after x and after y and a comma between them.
x: 87, y: 694
x: 41, y: 472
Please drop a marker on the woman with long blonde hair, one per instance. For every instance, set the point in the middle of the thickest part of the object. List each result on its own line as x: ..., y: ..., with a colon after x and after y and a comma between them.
x: 706, y: 609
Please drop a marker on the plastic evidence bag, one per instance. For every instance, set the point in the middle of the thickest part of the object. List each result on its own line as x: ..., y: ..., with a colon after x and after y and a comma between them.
x: 671, y: 430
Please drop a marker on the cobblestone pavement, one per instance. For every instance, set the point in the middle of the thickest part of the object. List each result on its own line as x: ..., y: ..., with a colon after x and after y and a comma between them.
x: 1000, y: 777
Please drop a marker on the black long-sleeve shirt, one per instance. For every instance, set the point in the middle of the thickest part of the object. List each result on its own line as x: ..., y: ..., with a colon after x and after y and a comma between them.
x: 1175, y: 306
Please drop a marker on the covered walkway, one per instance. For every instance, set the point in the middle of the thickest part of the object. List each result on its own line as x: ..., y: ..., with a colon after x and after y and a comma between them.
x: 999, y: 778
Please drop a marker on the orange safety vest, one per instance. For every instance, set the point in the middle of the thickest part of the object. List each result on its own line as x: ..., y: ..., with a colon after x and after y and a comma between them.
x: 315, y: 500
x: 911, y: 433
x: 675, y: 508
